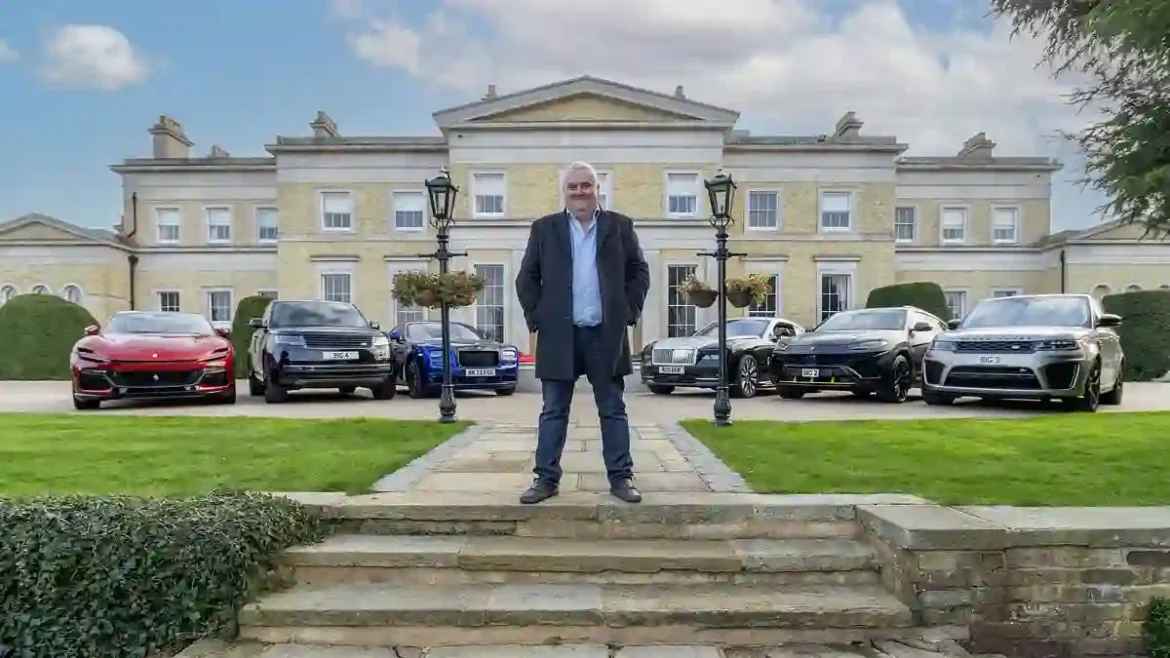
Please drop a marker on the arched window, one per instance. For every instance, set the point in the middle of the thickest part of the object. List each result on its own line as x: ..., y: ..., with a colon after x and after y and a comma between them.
x: 72, y: 293
x: 1100, y: 291
x: 6, y: 293
x: 1133, y: 287
x: 40, y: 289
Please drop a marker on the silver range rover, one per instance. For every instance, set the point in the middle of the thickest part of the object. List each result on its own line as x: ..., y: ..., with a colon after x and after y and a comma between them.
x: 1028, y: 346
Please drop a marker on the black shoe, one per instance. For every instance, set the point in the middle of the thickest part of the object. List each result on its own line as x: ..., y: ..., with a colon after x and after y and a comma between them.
x: 540, y: 490
x: 626, y: 491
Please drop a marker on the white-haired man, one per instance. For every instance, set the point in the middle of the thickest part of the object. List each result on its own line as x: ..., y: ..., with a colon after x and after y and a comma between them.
x: 582, y: 284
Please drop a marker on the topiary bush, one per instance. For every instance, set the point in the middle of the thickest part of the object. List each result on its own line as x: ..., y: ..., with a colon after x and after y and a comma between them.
x: 926, y: 295
x: 1145, y: 326
x: 37, y: 333
x: 248, y: 308
x: 122, y: 577
x: 1156, y: 628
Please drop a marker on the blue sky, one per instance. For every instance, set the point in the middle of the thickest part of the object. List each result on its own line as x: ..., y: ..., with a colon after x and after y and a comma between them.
x: 228, y: 71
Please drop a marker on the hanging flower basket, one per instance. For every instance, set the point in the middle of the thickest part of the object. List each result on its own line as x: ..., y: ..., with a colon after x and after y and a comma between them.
x: 457, y: 289
x: 430, y: 290
x: 748, y: 290
x: 698, y: 292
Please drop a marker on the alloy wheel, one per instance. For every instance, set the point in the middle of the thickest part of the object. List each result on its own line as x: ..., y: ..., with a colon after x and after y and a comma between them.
x: 748, y: 372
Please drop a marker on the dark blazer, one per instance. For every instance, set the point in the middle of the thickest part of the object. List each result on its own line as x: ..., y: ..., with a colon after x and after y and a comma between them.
x: 545, y: 288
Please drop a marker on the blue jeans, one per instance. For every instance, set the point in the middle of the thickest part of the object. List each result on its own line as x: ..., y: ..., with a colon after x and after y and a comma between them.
x: 611, y: 410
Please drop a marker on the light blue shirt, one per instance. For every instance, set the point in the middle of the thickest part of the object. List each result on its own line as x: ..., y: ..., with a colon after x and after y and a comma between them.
x: 586, y: 285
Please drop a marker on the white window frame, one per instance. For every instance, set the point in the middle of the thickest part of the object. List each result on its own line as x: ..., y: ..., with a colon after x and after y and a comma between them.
x: 7, y: 292
x: 831, y: 266
x: 996, y: 291
x: 395, y: 195
x: 326, y: 275
x: 33, y: 290
x: 80, y: 293
x: 965, y: 301
x: 336, y: 265
x: 1093, y: 291
x: 159, y: 224
x: 505, y: 301
x: 257, y: 213
x: 666, y: 305
x: 158, y: 300
x: 324, y: 194
x: 913, y: 225
x: 231, y: 311
x: 208, y: 224
x: 604, y: 187
x: 747, y: 210
x: 776, y: 271
x: 1016, y: 213
x: 696, y: 192
x: 393, y: 267
x: 476, y: 188
x: 942, y: 226
x: 1133, y: 287
x: 852, y: 198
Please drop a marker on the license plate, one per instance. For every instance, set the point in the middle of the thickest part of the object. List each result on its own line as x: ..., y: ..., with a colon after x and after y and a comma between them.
x: 481, y: 372
x: 811, y: 373
x: 989, y: 359
x: 671, y: 370
x: 339, y: 356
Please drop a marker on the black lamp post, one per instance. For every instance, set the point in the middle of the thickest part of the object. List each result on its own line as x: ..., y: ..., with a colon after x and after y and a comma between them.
x: 721, y: 194
x: 442, y: 194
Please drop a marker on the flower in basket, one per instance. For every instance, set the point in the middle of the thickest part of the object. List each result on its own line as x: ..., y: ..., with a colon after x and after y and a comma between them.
x: 415, y: 289
x: 754, y: 285
x: 697, y: 292
x: 458, y: 289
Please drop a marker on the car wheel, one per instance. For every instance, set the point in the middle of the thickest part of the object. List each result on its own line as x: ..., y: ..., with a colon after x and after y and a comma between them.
x: 659, y: 389
x: 273, y: 392
x: 505, y: 392
x: 347, y: 390
x: 386, y: 391
x: 255, y: 386
x: 898, y: 380
x: 1113, y: 397
x: 746, y: 377
x: 791, y: 392
x: 414, y: 383
x: 1091, y: 398
x: 936, y: 398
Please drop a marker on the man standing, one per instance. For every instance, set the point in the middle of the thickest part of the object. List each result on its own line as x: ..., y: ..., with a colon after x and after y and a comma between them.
x: 582, y: 284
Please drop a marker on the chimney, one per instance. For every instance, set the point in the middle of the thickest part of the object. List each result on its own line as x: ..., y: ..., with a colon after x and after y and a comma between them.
x: 678, y: 93
x: 323, y: 126
x: 848, y: 126
x: 491, y: 94
x: 170, y: 142
x: 978, y: 148
x: 217, y: 152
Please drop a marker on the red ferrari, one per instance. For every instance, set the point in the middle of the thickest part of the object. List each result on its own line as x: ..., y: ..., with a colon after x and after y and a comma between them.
x: 152, y: 355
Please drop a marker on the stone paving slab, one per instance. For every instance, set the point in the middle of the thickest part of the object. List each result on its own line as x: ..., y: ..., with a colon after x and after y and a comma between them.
x: 520, y: 651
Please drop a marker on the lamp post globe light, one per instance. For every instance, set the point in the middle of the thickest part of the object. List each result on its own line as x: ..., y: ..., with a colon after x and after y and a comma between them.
x: 442, y: 193
x: 721, y: 194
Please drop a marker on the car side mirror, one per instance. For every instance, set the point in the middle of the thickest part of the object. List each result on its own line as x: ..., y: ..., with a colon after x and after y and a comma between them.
x: 922, y: 326
x: 375, y: 325
x: 256, y: 323
x: 954, y: 323
x: 92, y: 330
x: 1109, y: 320
x: 223, y: 332
x: 395, y: 336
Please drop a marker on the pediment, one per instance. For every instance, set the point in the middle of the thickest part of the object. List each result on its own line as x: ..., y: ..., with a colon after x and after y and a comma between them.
x: 42, y: 228
x: 1113, y: 231
x: 585, y: 100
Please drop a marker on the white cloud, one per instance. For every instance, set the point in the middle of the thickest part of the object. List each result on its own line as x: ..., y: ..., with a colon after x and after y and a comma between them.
x: 7, y: 52
x: 93, y: 56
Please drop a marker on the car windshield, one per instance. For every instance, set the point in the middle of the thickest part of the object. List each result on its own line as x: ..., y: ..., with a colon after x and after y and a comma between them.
x: 184, y: 324
x: 428, y: 331
x: 316, y: 314
x: 736, y: 328
x: 1029, y: 311
x: 884, y: 319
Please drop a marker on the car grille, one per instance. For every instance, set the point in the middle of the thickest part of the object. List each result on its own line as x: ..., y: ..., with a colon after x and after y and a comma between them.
x: 866, y: 365
x: 999, y: 346
x: 673, y: 357
x: 149, y: 379
x: 993, y: 377
x: 479, y: 358
x: 336, y: 341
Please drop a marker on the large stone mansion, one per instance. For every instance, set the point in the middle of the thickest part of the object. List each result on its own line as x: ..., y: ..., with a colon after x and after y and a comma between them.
x: 332, y: 216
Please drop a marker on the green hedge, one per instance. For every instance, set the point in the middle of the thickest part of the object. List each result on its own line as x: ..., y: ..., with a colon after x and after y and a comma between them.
x: 1144, y: 331
x: 248, y: 308
x: 925, y: 295
x: 1157, y: 628
x: 133, y: 577
x: 37, y: 333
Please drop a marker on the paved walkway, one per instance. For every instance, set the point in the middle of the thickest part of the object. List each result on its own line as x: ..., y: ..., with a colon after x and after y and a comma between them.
x: 499, y: 458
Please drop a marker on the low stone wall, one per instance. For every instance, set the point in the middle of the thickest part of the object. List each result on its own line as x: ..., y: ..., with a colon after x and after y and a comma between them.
x: 1026, y: 581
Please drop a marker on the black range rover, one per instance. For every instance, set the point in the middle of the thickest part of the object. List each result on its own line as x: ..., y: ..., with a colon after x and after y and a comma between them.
x: 864, y: 351
x: 317, y: 344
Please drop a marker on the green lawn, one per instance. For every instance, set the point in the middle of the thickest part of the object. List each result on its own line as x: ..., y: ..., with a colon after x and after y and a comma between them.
x: 1066, y: 459
x: 178, y: 456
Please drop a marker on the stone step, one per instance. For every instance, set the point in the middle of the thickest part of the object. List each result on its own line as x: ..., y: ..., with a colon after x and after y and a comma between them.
x: 467, y: 559
x: 376, y: 615
x: 584, y: 515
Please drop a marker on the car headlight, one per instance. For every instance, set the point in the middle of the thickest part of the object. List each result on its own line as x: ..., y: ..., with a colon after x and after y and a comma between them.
x: 780, y: 347
x: 943, y: 345
x: 509, y: 354
x: 1057, y: 344
x: 876, y: 344
x: 381, y: 340
x: 215, y: 364
x: 288, y: 339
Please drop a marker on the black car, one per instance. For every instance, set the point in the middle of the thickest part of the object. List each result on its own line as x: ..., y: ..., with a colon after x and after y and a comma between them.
x: 873, y: 350
x: 478, y: 363
x: 692, y: 361
x: 318, y: 344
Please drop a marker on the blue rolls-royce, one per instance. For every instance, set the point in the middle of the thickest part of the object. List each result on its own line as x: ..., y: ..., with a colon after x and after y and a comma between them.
x: 477, y: 362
